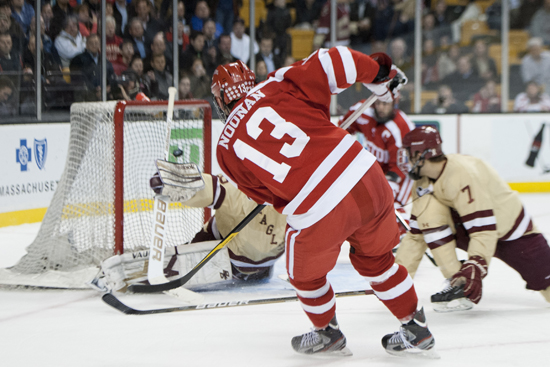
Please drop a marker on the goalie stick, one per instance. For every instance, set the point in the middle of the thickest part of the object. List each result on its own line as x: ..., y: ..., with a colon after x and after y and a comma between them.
x: 114, y: 302
x: 155, y: 268
x: 153, y: 288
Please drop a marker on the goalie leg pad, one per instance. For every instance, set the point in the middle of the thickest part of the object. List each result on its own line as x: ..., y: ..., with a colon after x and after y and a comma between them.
x: 120, y: 271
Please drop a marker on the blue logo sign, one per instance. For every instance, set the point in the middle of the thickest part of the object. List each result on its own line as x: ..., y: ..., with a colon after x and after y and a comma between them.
x: 23, y: 154
x: 40, y: 152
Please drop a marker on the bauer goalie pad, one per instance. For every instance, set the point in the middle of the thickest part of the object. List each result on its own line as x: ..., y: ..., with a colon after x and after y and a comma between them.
x: 120, y: 271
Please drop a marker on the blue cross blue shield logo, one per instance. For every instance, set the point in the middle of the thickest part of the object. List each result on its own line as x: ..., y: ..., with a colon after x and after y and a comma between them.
x: 40, y: 152
x: 23, y: 154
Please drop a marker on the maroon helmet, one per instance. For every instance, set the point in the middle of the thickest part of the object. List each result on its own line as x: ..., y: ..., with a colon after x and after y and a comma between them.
x: 231, y: 82
x: 424, y: 139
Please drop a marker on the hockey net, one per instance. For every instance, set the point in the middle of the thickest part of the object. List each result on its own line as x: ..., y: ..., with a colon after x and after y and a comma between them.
x: 103, y: 204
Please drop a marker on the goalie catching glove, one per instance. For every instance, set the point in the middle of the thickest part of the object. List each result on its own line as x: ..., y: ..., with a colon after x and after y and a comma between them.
x: 389, y: 80
x: 179, y: 181
x: 470, y: 275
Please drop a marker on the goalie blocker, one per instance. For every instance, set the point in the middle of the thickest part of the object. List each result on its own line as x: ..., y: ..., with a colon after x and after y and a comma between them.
x: 120, y: 271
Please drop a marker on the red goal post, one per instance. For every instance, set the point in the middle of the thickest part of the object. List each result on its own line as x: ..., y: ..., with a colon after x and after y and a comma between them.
x: 103, y: 203
x: 120, y: 111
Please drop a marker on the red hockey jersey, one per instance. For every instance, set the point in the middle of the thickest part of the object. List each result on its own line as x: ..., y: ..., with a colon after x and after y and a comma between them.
x: 383, y: 141
x: 280, y: 147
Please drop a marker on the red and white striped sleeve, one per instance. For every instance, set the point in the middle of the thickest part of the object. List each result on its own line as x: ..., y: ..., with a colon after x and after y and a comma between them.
x: 343, y: 67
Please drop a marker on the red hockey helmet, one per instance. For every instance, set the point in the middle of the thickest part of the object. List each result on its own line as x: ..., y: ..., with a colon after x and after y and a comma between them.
x: 231, y: 82
x: 424, y: 139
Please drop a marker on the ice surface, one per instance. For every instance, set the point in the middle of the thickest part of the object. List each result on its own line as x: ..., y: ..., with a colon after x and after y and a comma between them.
x: 42, y: 328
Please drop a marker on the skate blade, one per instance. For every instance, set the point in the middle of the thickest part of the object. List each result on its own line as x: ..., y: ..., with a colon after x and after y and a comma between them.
x: 460, y: 304
x: 344, y: 352
x: 415, y: 353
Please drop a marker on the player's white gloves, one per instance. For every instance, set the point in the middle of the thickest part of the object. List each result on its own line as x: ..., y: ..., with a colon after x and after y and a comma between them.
x: 179, y: 181
x: 388, y: 91
x: 398, y: 81
x: 382, y: 91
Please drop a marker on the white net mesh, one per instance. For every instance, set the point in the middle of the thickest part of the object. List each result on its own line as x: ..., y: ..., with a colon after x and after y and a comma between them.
x: 78, y: 230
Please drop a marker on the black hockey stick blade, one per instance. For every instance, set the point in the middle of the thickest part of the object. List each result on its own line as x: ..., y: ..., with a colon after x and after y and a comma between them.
x: 154, y: 288
x: 114, y: 302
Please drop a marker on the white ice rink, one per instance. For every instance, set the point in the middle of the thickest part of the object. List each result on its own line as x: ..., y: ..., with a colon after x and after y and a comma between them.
x: 42, y: 328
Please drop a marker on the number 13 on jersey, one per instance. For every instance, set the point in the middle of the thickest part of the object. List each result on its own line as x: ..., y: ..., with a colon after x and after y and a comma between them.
x: 282, y: 128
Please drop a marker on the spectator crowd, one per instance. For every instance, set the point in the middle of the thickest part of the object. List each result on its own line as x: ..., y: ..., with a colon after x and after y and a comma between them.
x: 463, y: 74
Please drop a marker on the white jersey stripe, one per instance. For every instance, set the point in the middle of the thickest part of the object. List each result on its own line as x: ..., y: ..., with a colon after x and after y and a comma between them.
x: 396, y: 291
x: 326, y: 63
x: 385, y: 276
x: 336, y: 192
x: 290, y: 241
x: 435, y: 236
x: 349, y: 64
x: 405, y: 191
x: 395, y: 132
x: 321, y: 309
x: 480, y: 222
x: 315, y: 293
x: 320, y: 173
x: 521, y: 228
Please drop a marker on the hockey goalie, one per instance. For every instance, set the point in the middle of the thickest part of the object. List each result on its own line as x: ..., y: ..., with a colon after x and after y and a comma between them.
x: 250, y: 256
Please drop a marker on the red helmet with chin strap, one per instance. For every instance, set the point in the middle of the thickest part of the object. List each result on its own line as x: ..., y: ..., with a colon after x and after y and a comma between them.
x: 231, y: 82
x: 423, y: 139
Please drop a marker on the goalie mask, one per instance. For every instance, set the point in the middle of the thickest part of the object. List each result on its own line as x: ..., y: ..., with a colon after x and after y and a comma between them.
x: 421, y: 143
x: 230, y: 83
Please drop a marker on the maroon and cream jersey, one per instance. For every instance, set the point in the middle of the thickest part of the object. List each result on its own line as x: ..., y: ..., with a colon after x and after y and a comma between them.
x: 480, y: 200
x: 383, y: 140
x: 260, y: 243
x: 280, y: 147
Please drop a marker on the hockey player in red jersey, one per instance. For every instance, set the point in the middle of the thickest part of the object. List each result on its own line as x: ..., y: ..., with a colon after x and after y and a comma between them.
x: 460, y: 201
x: 280, y: 147
x: 384, y: 127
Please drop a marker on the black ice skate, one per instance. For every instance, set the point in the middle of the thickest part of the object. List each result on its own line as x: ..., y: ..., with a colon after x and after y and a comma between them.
x: 412, y: 340
x: 327, y: 341
x: 451, y: 299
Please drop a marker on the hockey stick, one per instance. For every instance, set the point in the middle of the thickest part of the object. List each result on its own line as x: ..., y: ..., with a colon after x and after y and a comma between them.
x: 358, y: 112
x: 153, y: 288
x: 155, y: 267
x: 114, y: 302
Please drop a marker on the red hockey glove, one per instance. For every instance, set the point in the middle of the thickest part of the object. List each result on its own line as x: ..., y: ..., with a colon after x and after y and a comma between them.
x: 470, y: 275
